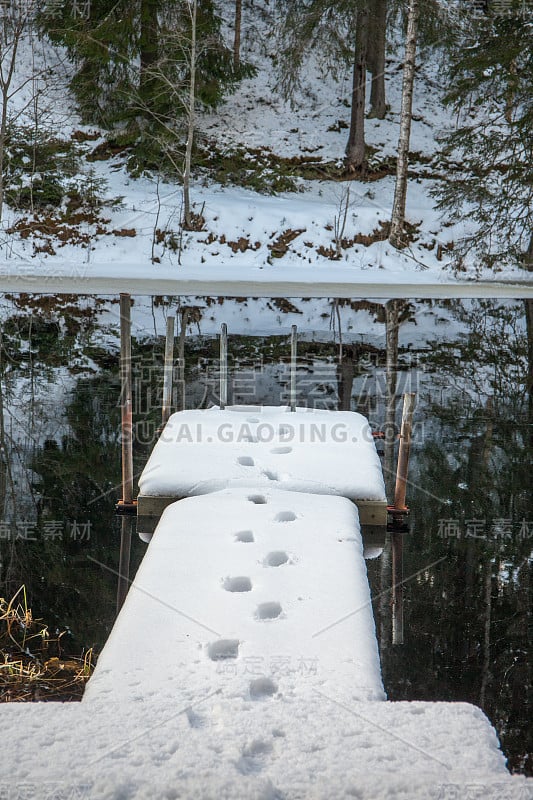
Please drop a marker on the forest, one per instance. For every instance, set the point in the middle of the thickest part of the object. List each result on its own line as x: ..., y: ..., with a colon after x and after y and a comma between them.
x: 89, y: 87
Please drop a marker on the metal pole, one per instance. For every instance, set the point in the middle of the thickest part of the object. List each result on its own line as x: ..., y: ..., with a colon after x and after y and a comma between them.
x: 168, y: 370
x: 223, y: 365
x: 124, y: 561
x: 409, y: 401
x: 392, y: 327
x: 294, y: 344
x: 397, y: 588
x: 126, y: 401
x: 181, y: 358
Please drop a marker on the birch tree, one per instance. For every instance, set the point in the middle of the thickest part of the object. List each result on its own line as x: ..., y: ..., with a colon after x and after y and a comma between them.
x: 400, y: 189
x: 191, y: 116
x: 176, y: 72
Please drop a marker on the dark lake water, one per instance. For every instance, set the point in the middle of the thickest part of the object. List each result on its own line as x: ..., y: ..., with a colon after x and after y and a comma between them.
x: 468, y: 553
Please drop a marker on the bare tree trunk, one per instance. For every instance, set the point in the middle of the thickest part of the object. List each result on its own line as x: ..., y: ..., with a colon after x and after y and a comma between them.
x: 528, y: 308
x: 355, y: 148
x: 529, y: 255
x: 511, y: 92
x: 346, y: 372
x: 3, y: 135
x: 237, y: 35
x: 148, y: 46
x: 376, y: 57
x: 181, y: 359
x: 187, y: 216
x: 400, y: 190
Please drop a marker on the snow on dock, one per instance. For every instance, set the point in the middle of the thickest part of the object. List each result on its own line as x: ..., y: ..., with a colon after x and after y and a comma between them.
x: 231, y: 595
x: 309, y: 450
x: 225, y: 748
x: 244, y: 662
x: 244, y: 665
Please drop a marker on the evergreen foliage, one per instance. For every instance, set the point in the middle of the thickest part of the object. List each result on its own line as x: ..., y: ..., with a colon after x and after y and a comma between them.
x: 491, y: 86
x: 36, y: 167
x: 131, y: 57
x: 322, y: 27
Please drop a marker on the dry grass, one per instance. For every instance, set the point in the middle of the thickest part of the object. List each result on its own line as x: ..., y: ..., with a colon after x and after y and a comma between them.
x: 28, y: 670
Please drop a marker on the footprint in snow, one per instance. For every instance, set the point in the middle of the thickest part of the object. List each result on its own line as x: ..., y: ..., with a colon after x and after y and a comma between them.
x: 285, y: 516
x: 240, y: 583
x: 270, y: 610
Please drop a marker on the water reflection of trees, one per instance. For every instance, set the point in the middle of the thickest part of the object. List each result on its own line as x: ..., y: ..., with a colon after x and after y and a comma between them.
x: 77, y: 485
x: 468, y: 618
x: 60, y: 459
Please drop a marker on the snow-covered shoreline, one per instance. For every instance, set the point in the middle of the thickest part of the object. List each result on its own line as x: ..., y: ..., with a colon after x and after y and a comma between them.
x: 250, y: 280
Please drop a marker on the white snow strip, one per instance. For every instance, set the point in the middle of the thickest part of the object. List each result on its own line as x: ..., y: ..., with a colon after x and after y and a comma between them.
x: 309, y: 450
x: 207, y: 747
x: 248, y: 280
x: 231, y: 595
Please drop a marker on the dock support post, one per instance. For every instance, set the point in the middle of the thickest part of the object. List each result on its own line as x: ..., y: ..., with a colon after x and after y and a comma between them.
x: 168, y: 372
x: 127, y: 444
x: 126, y: 400
x: 392, y: 327
x: 124, y: 561
x: 409, y: 400
x: 223, y: 365
x: 397, y: 588
x: 294, y: 345
x: 181, y: 358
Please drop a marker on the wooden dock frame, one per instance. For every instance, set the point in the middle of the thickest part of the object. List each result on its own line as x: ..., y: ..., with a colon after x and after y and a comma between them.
x: 372, y: 516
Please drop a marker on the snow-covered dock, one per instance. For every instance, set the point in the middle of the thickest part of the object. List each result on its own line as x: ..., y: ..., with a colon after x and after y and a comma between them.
x: 231, y: 594
x: 308, y: 450
x: 217, y: 747
x: 244, y: 665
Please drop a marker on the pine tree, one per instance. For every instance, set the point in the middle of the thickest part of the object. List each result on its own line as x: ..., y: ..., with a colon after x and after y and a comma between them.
x: 377, y: 40
x: 491, y: 76
x: 343, y: 33
x: 127, y: 61
x: 102, y: 43
x: 355, y: 157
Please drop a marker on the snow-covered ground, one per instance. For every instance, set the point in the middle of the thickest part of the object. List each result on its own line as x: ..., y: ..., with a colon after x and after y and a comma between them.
x: 251, y: 239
